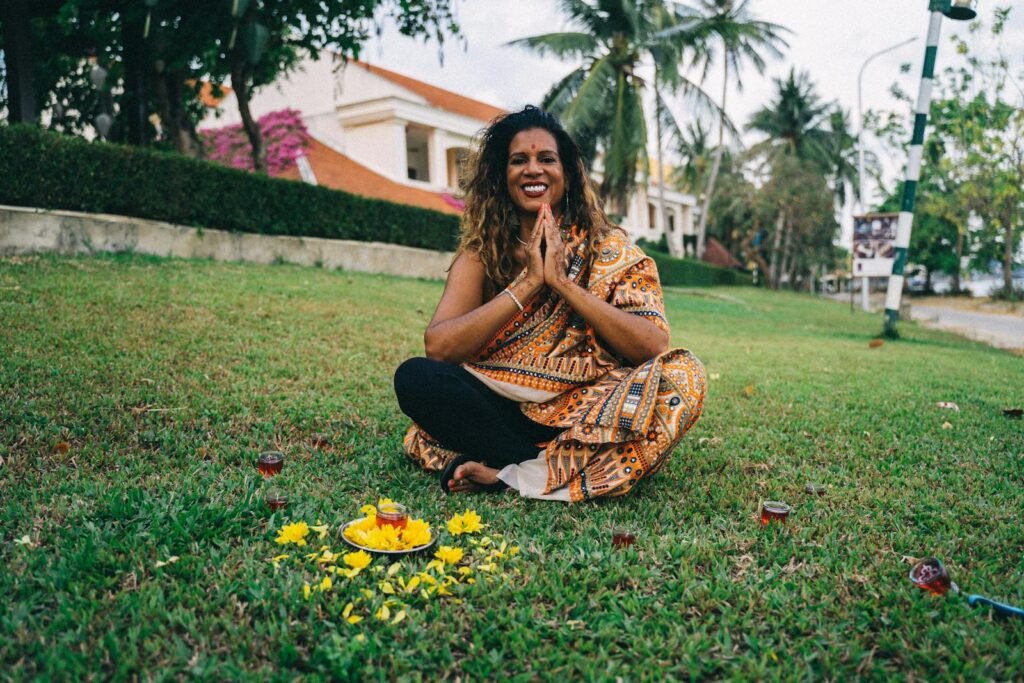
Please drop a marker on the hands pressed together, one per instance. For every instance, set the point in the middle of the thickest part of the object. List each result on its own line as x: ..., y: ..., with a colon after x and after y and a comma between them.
x: 546, y: 257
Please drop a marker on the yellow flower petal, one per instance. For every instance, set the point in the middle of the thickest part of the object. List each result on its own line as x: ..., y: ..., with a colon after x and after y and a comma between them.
x: 293, y: 533
x: 393, y: 569
x: 358, y: 560
x: 306, y: 590
x: 387, y: 588
x: 354, y: 620
x: 383, y: 614
x: 398, y: 617
x: 326, y: 584
x: 449, y: 555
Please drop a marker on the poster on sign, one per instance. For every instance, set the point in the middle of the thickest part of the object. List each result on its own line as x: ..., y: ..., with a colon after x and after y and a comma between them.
x: 874, y: 244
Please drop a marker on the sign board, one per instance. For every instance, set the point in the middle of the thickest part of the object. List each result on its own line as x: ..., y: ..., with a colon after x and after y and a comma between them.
x: 874, y: 244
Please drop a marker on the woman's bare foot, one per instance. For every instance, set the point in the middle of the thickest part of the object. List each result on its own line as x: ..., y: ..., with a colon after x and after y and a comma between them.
x: 470, y: 476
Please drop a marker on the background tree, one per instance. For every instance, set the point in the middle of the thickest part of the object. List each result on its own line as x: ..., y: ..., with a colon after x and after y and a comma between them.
x: 601, y: 103
x: 732, y: 34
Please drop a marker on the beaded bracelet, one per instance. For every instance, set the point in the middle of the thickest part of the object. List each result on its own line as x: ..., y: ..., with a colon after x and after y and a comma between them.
x: 514, y: 298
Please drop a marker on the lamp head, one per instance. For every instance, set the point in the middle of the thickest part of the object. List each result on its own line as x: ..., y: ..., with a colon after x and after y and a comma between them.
x: 959, y: 10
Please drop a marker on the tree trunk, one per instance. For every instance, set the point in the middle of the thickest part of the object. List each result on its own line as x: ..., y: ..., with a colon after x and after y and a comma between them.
x: 1008, y: 245
x: 669, y: 239
x: 15, y: 18
x: 715, y: 166
x: 789, y: 260
x: 178, y: 128
x: 240, y: 84
x: 751, y: 254
x: 959, y: 256
x: 775, y: 254
x: 134, y: 77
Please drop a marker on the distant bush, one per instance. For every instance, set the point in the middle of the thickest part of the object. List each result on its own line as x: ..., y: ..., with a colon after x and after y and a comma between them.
x: 47, y: 170
x: 690, y: 272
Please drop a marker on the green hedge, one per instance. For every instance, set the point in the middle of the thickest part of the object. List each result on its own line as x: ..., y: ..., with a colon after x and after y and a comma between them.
x: 47, y: 170
x: 691, y: 273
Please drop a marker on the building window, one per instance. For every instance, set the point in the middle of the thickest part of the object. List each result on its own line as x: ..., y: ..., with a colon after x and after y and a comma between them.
x: 671, y: 221
x: 417, y: 153
x: 458, y: 159
x: 652, y: 217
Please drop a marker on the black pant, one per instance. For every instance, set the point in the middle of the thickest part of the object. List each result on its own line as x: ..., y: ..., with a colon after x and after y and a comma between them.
x: 461, y: 413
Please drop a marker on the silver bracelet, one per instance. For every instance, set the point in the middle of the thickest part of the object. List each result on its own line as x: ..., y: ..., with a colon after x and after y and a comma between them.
x: 514, y: 298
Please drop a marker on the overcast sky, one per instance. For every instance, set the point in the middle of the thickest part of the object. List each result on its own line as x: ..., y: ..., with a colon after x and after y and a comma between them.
x: 830, y: 39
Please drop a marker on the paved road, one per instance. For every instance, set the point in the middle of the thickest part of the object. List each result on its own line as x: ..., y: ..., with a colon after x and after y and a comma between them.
x: 1003, y: 331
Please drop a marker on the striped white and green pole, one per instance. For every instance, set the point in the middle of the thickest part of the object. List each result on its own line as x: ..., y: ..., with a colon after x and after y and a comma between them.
x: 954, y: 9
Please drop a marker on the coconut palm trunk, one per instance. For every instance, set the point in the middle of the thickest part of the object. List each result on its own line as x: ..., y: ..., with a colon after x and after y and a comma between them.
x: 715, y: 166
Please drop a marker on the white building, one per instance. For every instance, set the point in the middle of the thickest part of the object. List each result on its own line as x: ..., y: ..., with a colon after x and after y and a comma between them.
x: 381, y: 134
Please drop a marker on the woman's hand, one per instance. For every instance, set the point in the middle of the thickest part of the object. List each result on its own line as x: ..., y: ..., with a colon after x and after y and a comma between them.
x: 535, y: 258
x: 555, y: 259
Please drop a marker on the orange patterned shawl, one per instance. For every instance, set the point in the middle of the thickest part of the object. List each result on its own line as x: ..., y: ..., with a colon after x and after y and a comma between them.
x: 621, y: 422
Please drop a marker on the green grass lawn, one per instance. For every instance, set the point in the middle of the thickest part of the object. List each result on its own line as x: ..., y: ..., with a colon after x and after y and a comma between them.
x: 135, y: 394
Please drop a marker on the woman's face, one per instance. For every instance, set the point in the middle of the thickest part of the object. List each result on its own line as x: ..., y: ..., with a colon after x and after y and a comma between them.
x: 534, y: 171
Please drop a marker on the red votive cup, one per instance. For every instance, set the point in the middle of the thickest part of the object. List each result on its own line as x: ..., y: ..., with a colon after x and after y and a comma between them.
x: 623, y: 538
x: 929, y: 575
x: 392, y: 514
x: 276, y: 500
x: 270, y: 463
x: 774, y: 511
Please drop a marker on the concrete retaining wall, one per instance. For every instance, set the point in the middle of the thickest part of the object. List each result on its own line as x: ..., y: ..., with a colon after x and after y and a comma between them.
x: 26, y: 231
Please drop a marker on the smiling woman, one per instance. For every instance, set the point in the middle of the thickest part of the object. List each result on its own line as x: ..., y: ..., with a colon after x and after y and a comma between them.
x: 547, y: 366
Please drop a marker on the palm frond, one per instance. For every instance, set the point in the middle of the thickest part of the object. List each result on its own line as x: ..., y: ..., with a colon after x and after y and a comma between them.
x: 564, y: 45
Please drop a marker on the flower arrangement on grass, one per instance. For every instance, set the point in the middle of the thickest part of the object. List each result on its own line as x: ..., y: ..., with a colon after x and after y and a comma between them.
x: 366, y: 533
x: 354, y: 586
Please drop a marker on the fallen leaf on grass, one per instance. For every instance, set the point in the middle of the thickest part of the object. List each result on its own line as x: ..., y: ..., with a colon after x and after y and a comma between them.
x: 163, y: 563
x: 756, y: 467
x: 25, y: 540
x: 1013, y: 412
x: 948, y: 405
x: 875, y: 343
x: 947, y: 425
x: 748, y: 390
x: 714, y: 375
x: 713, y: 441
x: 61, y: 447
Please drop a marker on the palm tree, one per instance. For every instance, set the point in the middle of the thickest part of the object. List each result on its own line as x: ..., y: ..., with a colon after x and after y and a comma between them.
x: 601, y: 103
x: 796, y: 122
x: 742, y: 39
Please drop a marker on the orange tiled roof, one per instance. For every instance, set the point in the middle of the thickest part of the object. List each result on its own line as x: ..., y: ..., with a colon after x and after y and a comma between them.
x: 334, y: 169
x: 206, y: 95
x: 439, y: 97
x: 718, y: 255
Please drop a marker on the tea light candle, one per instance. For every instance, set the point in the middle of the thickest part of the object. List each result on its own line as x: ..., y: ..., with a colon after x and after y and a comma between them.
x: 623, y: 538
x: 774, y: 510
x: 392, y: 514
x: 270, y: 463
x: 276, y: 500
x: 931, y: 576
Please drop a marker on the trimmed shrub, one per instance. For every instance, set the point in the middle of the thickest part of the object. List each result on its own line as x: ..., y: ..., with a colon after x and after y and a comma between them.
x: 47, y: 170
x: 676, y: 272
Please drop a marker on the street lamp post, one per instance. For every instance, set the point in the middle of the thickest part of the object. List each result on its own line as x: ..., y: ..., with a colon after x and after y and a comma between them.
x: 860, y: 145
x: 960, y: 10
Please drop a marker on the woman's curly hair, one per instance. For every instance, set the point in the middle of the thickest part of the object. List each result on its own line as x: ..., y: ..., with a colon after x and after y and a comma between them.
x: 489, y: 222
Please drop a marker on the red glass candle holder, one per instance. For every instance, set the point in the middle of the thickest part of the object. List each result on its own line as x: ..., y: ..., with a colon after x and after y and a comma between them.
x: 392, y: 514
x: 270, y: 463
x: 774, y: 511
x: 623, y: 538
x: 929, y: 575
x: 276, y: 500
